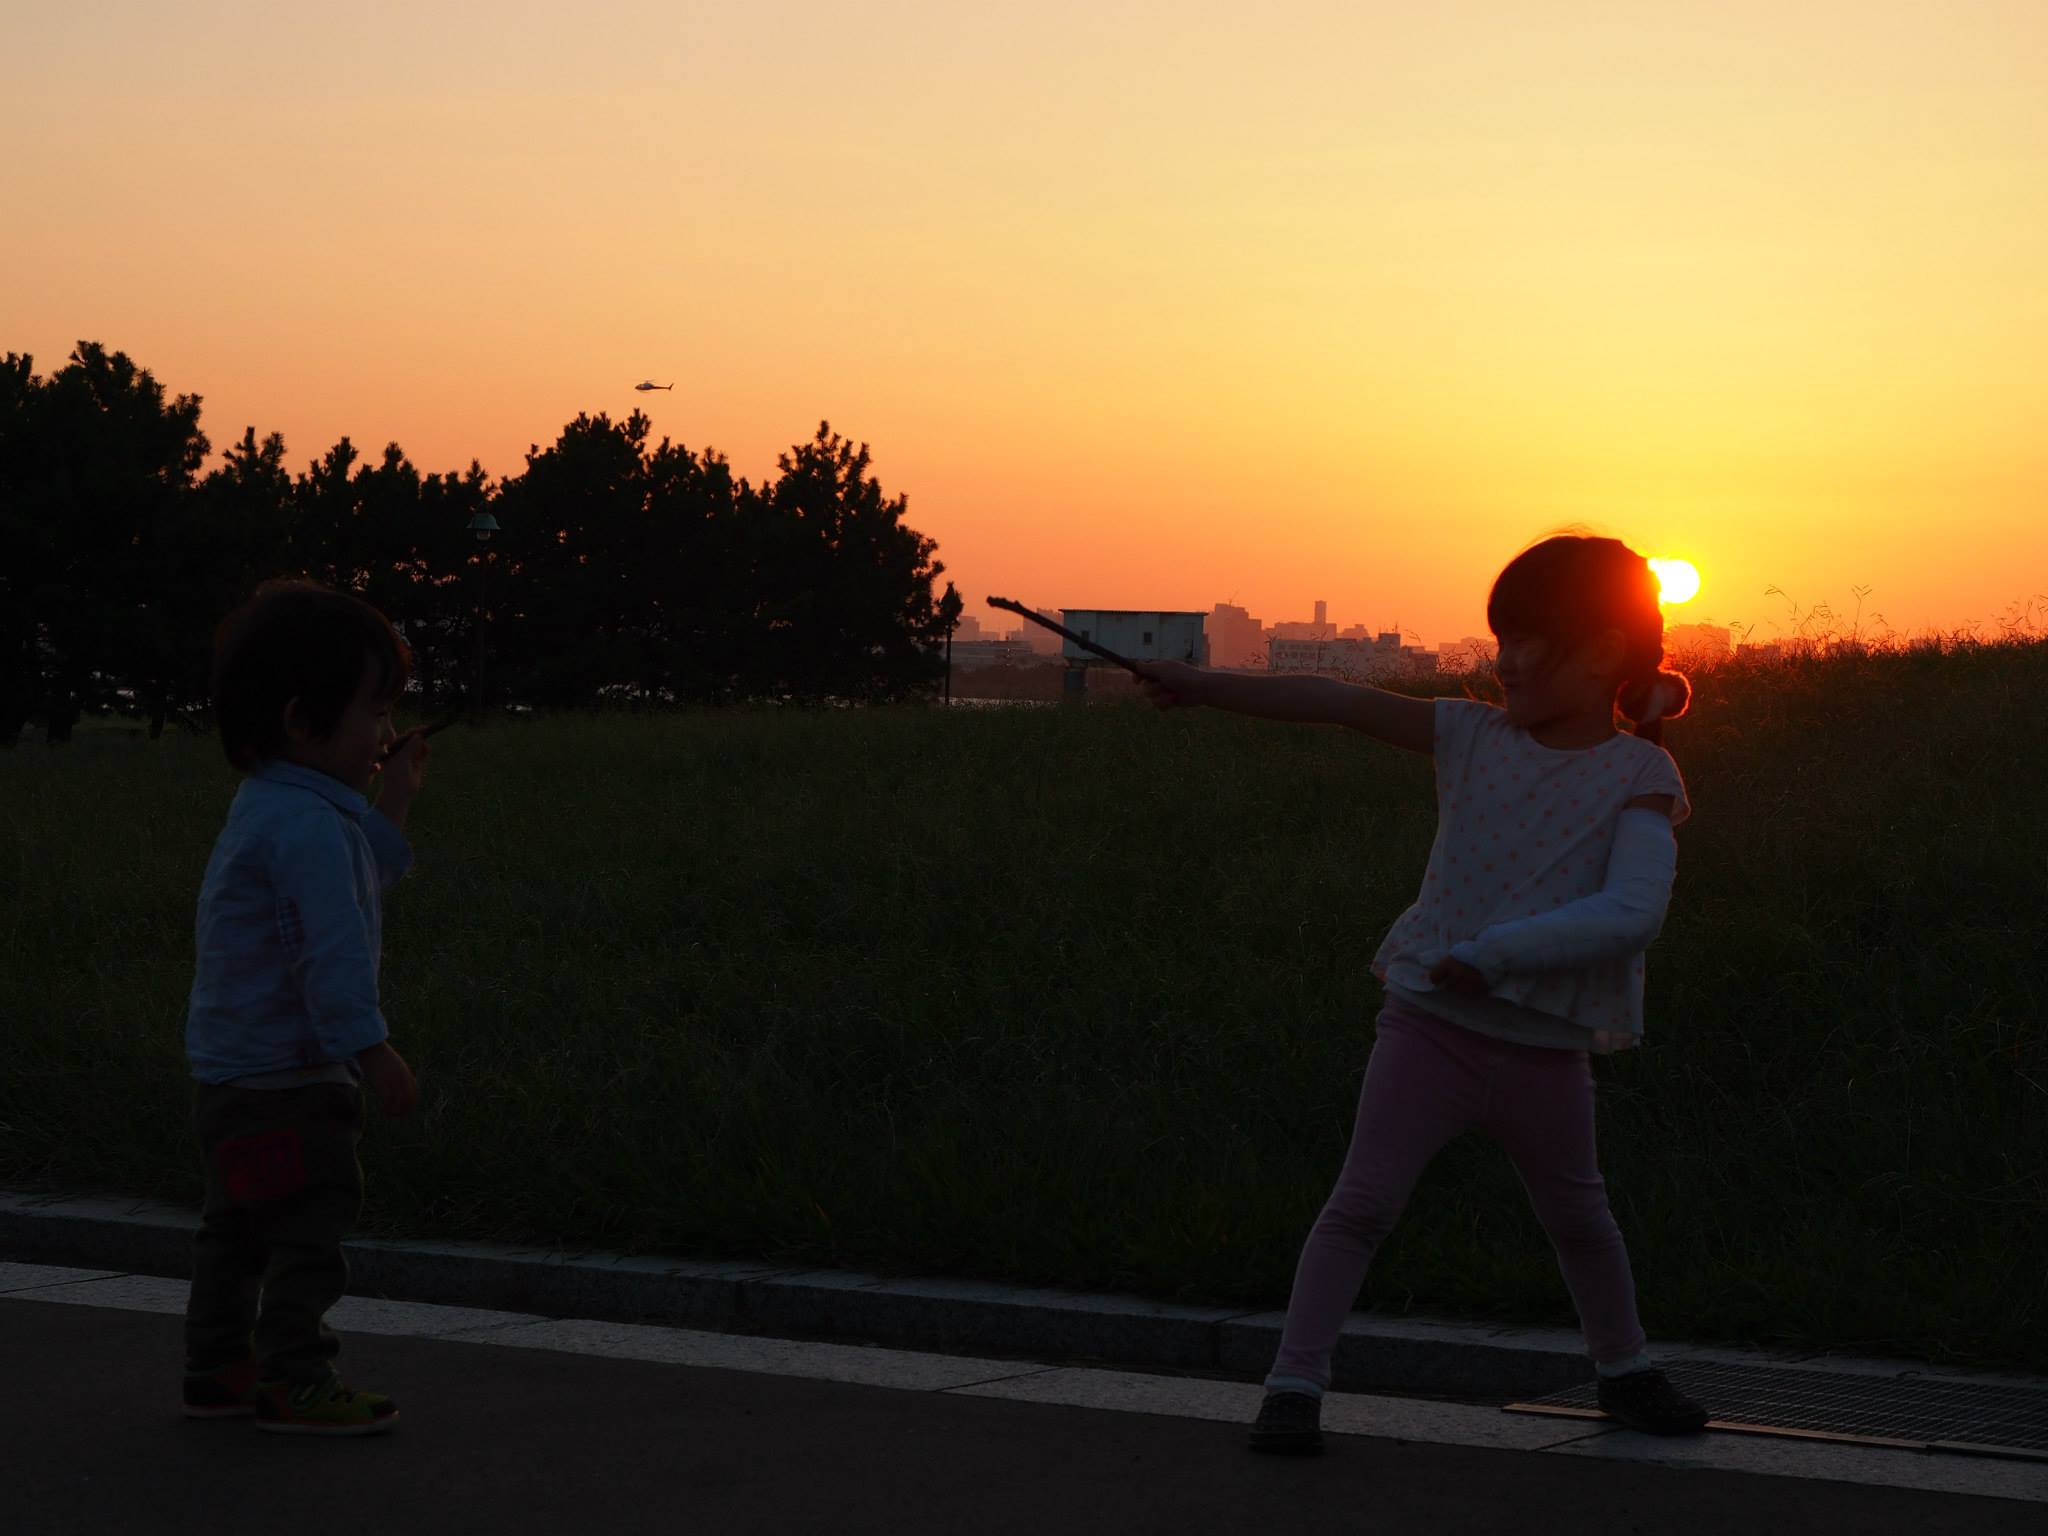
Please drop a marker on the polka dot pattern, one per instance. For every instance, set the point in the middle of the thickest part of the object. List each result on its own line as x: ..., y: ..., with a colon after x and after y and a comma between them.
x: 1524, y: 829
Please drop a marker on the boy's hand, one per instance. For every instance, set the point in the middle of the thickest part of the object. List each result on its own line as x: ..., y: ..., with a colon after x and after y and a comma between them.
x: 1457, y: 976
x: 1173, y: 683
x: 397, y: 1090
x: 403, y: 775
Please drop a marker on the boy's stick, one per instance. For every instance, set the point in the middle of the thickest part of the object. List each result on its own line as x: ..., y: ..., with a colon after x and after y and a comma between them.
x: 438, y: 725
x: 1060, y: 629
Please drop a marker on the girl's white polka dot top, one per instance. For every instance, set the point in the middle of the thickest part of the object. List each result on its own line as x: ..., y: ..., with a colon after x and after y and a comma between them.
x: 1523, y: 829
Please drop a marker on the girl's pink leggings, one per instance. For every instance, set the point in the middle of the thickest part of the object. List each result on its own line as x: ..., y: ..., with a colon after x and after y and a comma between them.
x: 1426, y: 1082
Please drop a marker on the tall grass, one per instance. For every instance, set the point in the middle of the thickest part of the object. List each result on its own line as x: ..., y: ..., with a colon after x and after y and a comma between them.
x: 1080, y: 996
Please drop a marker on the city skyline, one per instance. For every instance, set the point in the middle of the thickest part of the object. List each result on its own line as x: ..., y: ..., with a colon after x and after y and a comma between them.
x: 1230, y: 630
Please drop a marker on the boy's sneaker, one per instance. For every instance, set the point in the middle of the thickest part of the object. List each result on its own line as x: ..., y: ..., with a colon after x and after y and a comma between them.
x: 322, y: 1408
x: 1646, y: 1400
x: 1289, y: 1424
x: 225, y: 1392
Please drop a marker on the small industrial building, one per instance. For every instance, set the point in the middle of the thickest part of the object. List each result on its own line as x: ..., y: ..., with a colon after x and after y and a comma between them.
x: 1149, y: 635
x: 1135, y: 635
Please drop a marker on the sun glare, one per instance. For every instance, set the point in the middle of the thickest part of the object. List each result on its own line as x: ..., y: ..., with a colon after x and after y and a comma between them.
x: 1678, y: 579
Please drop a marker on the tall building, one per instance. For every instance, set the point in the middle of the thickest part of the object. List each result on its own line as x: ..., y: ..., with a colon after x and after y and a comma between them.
x: 1318, y: 628
x: 1236, y: 639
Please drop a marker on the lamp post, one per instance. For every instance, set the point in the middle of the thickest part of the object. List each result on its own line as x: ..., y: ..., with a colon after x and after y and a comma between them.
x: 952, y: 623
x: 483, y: 525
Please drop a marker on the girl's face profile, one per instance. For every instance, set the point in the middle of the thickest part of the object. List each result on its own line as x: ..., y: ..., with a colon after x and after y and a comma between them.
x: 1522, y: 666
x: 1545, y: 682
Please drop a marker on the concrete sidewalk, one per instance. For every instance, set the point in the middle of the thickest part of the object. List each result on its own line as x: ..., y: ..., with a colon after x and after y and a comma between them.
x: 538, y: 1438
x: 1437, y: 1357
x: 515, y: 1423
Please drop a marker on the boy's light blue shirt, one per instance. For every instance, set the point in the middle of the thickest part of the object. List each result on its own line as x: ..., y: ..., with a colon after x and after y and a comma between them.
x: 291, y: 927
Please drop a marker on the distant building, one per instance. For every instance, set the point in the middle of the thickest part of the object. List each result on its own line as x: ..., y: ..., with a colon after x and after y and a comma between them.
x: 990, y: 652
x: 1043, y: 642
x: 1028, y: 638
x: 1137, y: 634
x: 1236, y: 639
x: 1297, y: 629
x: 1318, y: 628
x: 1699, y: 643
x: 1383, y: 656
x: 1470, y: 654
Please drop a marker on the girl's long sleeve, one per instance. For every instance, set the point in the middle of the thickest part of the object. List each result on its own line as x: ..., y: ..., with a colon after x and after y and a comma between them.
x: 1620, y: 919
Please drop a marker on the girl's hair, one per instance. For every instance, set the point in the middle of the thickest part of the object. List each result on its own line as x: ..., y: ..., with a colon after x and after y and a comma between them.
x: 298, y: 640
x: 1570, y: 588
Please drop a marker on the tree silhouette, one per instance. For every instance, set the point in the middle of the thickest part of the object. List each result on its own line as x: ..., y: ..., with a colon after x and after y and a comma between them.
x: 569, y: 582
x: 97, y: 460
x: 24, y: 543
x: 847, y: 585
x: 700, y: 561
x: 398, y: 540
x: 212, y: 548
x: 626, y: 572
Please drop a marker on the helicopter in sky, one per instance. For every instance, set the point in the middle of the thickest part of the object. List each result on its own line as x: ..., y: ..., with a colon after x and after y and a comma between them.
x: 647, y: 384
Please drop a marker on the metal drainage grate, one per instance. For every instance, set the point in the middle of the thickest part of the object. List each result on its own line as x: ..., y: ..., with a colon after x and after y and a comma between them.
x: 1913, y: 1412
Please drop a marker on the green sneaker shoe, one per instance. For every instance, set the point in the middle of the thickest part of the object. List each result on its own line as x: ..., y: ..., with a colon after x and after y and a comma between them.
x: 1289, y: 1424
x: 1646, y: 1400
x: 321, y: 1408
x: 225, y: 1392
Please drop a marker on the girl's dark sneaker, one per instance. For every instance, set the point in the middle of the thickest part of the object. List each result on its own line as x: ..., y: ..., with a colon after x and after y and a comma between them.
x: 1646, y: 1400
x: 322, y: 1408
x: 225, y: 1392
x: 1289, y: 1424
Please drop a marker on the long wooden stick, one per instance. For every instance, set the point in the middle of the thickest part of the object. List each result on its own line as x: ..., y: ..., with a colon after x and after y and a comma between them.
x: 438, y: 725
x: 1060, y: 629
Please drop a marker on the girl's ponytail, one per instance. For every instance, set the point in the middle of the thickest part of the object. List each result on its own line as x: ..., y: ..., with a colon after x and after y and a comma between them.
x: 1652, y: 699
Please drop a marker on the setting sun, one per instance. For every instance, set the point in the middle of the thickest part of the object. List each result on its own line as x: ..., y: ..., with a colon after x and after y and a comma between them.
x: 1679, y: 580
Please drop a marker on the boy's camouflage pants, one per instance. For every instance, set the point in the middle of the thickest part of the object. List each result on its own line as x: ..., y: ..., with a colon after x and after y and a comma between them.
x: 283, y: 1188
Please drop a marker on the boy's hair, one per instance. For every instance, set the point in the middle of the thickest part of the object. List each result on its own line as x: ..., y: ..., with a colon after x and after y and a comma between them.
x: 298, y: 640
x: 1571, y: 587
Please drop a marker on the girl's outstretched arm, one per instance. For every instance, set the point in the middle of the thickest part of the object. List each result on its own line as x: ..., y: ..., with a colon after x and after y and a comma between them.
x: 1394, y: 718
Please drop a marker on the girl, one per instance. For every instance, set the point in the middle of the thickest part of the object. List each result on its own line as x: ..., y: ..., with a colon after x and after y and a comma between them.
x: 1523, y: 953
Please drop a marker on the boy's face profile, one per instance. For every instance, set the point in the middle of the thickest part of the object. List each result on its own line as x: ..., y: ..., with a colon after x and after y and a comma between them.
x: 354, y: 750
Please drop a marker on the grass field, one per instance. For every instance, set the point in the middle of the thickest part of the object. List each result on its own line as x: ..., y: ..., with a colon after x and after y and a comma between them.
x: 1080, y: 996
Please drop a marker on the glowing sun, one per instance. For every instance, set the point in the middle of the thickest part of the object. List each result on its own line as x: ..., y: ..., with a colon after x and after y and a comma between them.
x: 1679, y: 579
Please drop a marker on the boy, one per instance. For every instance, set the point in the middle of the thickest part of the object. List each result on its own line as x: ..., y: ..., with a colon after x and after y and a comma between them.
x: 284, y: 1024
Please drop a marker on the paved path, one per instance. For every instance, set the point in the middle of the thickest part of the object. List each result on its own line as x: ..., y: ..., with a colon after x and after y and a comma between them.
x: 515, y: 1425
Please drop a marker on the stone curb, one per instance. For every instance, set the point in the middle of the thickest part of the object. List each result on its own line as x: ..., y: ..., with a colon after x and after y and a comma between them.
x: 1433, y: 1357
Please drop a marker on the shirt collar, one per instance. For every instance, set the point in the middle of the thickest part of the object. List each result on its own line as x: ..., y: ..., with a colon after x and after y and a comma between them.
x: 319, y: 783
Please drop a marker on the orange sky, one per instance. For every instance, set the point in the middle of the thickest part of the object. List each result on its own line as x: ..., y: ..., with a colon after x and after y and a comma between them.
x: 1143, y: 305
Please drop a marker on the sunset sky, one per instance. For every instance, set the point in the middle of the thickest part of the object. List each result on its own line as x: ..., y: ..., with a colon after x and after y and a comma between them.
x: 1142, y: 305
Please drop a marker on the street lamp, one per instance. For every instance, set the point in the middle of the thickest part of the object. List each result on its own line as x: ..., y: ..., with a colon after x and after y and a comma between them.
x: 952, y: 623
x: 483, y: 525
